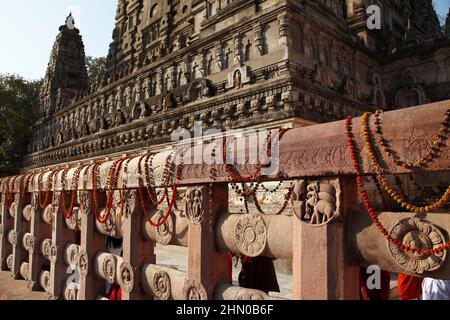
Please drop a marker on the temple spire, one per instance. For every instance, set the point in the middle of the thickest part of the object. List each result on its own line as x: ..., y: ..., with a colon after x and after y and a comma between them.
x: 66, y: 73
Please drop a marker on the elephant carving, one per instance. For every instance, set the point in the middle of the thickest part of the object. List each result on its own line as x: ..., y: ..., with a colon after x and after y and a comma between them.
x: 321, y: 203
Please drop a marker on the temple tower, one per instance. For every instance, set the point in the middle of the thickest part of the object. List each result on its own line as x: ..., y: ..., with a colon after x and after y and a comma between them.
x: 66, y: 73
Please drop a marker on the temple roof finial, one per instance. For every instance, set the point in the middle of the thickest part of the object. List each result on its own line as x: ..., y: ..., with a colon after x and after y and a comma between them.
x: 70, y: 21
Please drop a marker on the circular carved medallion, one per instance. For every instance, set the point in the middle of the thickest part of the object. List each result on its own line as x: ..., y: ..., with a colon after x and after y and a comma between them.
x: 251, y: 235
x: 418, y: 234
x: 27, y: 213
x: 45, y: 281
x: 71, y: 293
x: 83, y: 264
x: 13, y: 210
x: 24, y: 270
x: 126, y: 277
x: 28, y: 242
x: 249, y: 295
x: 109, y: 268
x: 192, y: 290
x: 162, y: 285
x: 164, y: 233
x: 12, y: 237
x: 45, y: 248
x: 71, y: 256
x: 9, y: 261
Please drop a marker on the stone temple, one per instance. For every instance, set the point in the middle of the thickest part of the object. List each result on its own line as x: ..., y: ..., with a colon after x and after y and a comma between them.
x: 236, y: 64
x: 296, y: 66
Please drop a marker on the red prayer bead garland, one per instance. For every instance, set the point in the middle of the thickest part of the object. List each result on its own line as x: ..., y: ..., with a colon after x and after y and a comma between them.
x: 371, y: 211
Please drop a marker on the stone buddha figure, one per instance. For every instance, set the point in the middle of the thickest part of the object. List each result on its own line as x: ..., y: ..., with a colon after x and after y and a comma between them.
x: 237, y: 80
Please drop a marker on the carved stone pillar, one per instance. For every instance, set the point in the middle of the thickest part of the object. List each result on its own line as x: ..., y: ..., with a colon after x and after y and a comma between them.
x: 238, y: 50
x: 39, y: 231
x: 320, y: 267
x: 206, y: 266
x: 285, y: 39
x: 61, y: 238
x: 92, y: 243
x: 20, y: 228
x: 258, y: 29
x: 137, y: 250
x: 6, y: 224
x: 219, y: 57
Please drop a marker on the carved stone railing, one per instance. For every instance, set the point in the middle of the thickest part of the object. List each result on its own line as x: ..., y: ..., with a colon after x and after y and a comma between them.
x: 327, y: 236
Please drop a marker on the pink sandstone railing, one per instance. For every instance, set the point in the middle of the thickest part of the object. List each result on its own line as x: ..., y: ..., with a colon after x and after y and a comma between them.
x: 41, y: 238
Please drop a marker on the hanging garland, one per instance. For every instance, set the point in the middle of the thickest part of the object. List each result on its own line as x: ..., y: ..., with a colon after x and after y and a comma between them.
x: 365, y: 133
x: 166, y: 176
x: 43, y: 204
x: 287, y: 199
x: 256, y: 176
x: 371, y: 211
x: 149, y: 180
x: 9, y: 195
x: 427, y: 158
x: 380, y: 192
x: 68, y: 212
x: 111, y: 185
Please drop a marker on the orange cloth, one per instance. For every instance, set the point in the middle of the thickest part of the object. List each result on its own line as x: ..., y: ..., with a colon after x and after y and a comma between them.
x: 409, y: 287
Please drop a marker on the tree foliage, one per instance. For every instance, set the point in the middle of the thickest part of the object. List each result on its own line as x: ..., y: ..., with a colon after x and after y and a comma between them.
x: 19, y: 100
x: 96, y: 68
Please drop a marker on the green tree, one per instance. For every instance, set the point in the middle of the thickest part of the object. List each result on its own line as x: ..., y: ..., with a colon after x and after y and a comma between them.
x: 19, y: 100
x: 96, y: 68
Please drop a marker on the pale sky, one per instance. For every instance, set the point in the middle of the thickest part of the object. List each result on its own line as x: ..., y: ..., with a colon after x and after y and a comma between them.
x: 28, y: 29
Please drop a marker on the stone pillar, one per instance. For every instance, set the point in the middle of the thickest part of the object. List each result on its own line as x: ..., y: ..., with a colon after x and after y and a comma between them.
x: 206, y: 266
x: 320, y: 267
x: 39, y: 231
x: 92, y: 243
x: 6, y: 224
x: 285, y: 39
x: 137, y: 250
x: 61, y: 238
x: 20, y: 228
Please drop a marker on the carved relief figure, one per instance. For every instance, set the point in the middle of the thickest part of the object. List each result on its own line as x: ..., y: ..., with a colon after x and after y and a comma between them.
x: 321, y: 203
x: 237, y: 79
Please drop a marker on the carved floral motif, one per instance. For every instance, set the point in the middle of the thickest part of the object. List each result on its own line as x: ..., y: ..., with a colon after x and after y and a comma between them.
x: 12, y: 237
x: 422, y: 235
x: 9, y: 261
x: 251, y: 235
x: 193, y: 290
x: 126, y: 277
x: 164, y: 233
x: 71, y: 293
x: 25, y: 270
x: 72, y: 252
x: 28, y: 242
x: 83, y: 264
x: 109, y: 268
x: 27, y: 212
x: 162, y: 285
x: 249, y: 295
